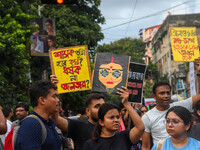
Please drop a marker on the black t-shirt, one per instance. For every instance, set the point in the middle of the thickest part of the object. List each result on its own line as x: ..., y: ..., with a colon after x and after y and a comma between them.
x: 120, y: 141
x: 80, y: 131
x: 194, y: 132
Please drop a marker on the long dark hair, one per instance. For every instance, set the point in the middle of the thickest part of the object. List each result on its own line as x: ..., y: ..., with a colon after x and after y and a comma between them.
x: 183, y: 113
x: 101, y: 113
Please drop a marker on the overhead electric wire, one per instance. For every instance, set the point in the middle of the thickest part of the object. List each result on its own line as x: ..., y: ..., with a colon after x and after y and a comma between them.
x: 131, y: 17
x: 147, y: 16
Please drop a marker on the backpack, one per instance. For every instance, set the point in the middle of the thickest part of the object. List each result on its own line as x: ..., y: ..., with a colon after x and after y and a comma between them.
x: 11, y: 138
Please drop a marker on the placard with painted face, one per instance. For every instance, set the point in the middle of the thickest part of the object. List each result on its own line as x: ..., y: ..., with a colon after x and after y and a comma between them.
x: 110, y: 72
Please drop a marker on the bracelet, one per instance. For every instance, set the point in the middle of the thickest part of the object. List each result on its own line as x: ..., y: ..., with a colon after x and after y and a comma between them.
x: 198, y: 74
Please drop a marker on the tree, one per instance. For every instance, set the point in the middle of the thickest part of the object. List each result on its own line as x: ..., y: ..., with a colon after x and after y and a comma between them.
x: 132, y: 47
x: 152, y: 76
x: 14, y: 64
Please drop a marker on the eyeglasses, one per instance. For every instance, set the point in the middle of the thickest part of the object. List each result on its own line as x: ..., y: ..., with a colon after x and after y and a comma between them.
x: 115, y: 72
x: 19, y: 111
x: 174, y: 122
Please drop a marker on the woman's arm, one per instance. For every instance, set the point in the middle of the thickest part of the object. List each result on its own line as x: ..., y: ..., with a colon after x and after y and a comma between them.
x: 137, y: 131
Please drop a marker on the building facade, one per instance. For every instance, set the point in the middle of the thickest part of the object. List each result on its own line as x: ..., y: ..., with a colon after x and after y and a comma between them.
x: 162, y: 52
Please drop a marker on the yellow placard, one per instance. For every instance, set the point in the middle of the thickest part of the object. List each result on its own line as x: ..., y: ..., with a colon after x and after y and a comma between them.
x: 71, y: 65
x: 184, y: 43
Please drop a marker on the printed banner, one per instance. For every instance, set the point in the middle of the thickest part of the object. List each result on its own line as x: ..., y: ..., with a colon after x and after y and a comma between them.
x: 44, y: 37
x: 110, y: 72
x: 136, y: 78
x: 184, y: 43
x: 71, y: 65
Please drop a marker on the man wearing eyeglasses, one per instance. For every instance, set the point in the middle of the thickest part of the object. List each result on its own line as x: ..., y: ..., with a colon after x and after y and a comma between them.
x: 21, y: 110
x: 154, y: 119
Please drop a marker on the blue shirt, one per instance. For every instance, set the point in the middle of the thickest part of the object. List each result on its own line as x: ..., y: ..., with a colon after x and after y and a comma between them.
x: 30, y: 135
x: 192, y: 145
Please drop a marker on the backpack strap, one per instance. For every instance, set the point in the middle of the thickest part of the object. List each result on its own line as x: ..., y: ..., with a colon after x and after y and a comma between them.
x: 160, y: 144
x: 17, y: 126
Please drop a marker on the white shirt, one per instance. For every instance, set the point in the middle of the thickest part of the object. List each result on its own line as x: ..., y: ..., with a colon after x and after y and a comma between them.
x: 3, y: 136
x: 154, y: 120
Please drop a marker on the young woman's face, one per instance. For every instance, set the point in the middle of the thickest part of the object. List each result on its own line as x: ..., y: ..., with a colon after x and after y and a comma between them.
x: 111, y: 120
x: 50, y: 43
x: 175, y: 125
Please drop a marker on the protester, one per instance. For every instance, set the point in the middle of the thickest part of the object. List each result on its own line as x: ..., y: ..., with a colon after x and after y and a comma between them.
x: 143, y: 110
x: 8, y: 113
x: 82, y: 113
x: 153, y: 119
x: 45, y: 102
x: 105, y: 136
x: 194, y: 132
x: 21, y: 111
x: 80, y: 130
x: 178, y: 122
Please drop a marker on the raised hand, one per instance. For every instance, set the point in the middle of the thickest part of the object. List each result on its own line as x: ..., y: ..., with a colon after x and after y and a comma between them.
x: 124, y: 94
x: 54, y: 79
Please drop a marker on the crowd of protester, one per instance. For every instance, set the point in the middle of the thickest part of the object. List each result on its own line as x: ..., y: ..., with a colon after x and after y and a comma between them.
x: 100, y: 125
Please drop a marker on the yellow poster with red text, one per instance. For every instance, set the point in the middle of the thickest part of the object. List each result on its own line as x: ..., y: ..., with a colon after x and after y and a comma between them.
x: 71, y: 65
x: 184, y: 43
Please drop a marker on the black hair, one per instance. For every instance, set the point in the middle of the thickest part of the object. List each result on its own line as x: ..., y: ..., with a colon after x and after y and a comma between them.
x: 91, y: 97
x: 40, y: 89
x: 35, y: 37
x: 51, y: 37
x: 120, y: 106
x: 157, y: 84
x: 101, y: 113
x: 197, y: 107
x: 49, y: 21
x: 183, y: 113
x: 24, y: 105
x: 143, y: 106
x: 82, y: 110
x: 6, y: 111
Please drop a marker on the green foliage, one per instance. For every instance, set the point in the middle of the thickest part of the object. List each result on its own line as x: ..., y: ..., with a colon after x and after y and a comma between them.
x: 132, y: 47
x: 152, y: 76
x: 148, y: 89
x: 14, y: 63
x: 152, y: 71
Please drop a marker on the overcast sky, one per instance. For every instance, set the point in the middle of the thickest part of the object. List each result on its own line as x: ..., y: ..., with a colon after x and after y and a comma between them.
x: 122, y: 11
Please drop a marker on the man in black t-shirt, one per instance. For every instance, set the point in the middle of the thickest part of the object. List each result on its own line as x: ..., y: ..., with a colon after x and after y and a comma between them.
x: 81, y: 130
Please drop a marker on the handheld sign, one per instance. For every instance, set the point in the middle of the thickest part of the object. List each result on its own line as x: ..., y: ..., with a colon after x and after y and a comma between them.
x: 110, y: 72
x: 135, y: 81
x: 71, y: 65
x: 184, y: 43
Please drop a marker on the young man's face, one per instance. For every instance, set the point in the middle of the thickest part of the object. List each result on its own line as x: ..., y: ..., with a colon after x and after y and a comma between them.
x: 21, y: 113
x: 52, y: 101
x: 162, y: 96
x: 93, y: 109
